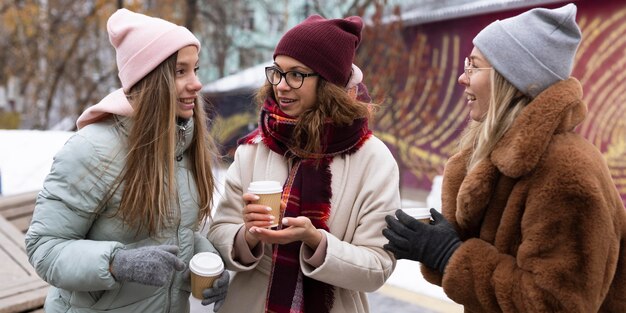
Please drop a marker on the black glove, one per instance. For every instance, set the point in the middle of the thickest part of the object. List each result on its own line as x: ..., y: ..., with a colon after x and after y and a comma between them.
x: 431, y: 244
x: 152, y: 265
x: 217, y: 293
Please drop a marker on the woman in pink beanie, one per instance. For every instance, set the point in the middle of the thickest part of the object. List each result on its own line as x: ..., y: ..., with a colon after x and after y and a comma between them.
x: 117, y: 220
x: 339, y: 181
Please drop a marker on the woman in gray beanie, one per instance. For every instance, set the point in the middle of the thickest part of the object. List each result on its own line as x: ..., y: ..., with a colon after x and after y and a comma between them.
x: 532, y: 221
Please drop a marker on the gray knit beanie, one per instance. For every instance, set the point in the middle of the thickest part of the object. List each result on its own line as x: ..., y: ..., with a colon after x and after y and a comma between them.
x: 532, y: 50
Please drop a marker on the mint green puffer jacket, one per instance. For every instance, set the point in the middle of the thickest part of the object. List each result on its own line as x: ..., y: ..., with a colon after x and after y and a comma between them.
x: 71, y: 245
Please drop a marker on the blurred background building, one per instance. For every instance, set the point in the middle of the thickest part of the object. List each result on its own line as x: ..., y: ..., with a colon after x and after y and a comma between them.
x: 412, y: 55
x: 55, y: 60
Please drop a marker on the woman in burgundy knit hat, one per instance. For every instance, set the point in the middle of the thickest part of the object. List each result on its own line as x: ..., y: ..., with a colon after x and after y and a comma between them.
x: 313, y: 137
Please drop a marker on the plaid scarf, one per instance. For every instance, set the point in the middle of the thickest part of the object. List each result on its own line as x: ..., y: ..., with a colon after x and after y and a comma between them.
x: 308, y: 192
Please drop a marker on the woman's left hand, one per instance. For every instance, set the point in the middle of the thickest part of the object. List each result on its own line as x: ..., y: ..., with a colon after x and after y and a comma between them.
x: 294, y: 229
x: 430, y: 244
x: 217, y: 294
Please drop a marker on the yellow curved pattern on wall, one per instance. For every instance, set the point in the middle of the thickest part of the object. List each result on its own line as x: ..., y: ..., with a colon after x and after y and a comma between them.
x: 601, y: 66
x: 428, y: 112
x: 425, y: 118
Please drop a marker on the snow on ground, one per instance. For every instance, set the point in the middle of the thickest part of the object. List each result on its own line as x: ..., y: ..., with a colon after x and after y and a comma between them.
x: 26, y: 157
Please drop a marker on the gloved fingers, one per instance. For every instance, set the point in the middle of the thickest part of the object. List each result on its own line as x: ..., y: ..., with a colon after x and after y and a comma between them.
x: 222, y: 281
x: 187, y: 273
x: 209, y: 300
x: 409, y: 221
x: 213, y: 292
x: 211, y: 295
x: 179, y: 265
x: 398, y: 253
x: 173, y: 260
x: 218, y: 305
x: 398, y: 227
x: 217, y: 302
x: 437, y: 217
x: 396, y: 239
x: 169, y: 248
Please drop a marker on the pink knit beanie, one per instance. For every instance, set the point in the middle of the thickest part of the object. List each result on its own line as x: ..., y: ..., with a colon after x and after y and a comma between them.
x: 326, y: 46
x: 142, y: 42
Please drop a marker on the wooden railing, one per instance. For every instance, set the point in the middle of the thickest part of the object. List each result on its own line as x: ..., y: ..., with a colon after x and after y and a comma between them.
x: 21, y: 290
x: 18, y: 209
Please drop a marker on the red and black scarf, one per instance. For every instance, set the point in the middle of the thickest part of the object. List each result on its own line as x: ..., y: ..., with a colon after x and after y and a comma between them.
x: 307, y: 192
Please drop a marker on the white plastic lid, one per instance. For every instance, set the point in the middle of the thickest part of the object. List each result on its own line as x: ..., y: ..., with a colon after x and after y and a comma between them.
x: 265, y: 186
x: 418, y: 213
x: 206, y: 264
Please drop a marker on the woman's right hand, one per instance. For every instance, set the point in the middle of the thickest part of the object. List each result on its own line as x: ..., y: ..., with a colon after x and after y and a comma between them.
x: 255, y: 215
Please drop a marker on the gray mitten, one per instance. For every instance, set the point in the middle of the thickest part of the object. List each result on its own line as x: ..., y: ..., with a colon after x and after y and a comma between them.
x: 152, y: 265
x: 217, y: 293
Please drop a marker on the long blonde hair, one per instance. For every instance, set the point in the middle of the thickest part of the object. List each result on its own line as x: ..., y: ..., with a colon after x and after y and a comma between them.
x: 148, y: 176
x: 505, y: 104
x: 333, y: 104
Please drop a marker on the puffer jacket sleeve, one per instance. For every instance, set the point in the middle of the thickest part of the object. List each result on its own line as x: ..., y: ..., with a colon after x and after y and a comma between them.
x: 202, y: 244
x: 56, y: 241
x: 357, y: 260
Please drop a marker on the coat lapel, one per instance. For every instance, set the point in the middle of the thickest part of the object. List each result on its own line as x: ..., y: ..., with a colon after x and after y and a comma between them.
x: 558, y: 109
x: 515, y: 155
x: 474, y: 195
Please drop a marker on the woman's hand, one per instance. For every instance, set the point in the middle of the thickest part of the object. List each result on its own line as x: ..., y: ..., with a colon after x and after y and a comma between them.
x: 430, y: 244
x: 255, y: 216
x: 297, y: 229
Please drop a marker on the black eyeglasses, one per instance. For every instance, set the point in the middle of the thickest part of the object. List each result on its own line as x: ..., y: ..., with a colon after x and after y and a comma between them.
x: 294, y: 79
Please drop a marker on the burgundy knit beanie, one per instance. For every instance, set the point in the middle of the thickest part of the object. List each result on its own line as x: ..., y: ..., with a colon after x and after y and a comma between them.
x: 326, y: 46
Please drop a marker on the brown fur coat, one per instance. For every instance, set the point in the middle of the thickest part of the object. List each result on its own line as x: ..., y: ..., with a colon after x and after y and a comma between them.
x: 543, y: 225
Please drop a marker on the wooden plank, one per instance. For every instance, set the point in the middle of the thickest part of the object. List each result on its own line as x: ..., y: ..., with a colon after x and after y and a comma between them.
x: 11, y: 271
x: 18, y: 211
x: 18, y: 200
x: 22, y: 223
x: 28, y: 283
x: 32, y: 299
x: 11, y: 234
x: 21, y: 288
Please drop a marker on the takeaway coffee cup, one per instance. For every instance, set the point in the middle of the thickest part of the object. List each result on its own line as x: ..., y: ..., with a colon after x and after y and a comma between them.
x: 421, y: 214
x: 205, y: 267
x: 270, y: 193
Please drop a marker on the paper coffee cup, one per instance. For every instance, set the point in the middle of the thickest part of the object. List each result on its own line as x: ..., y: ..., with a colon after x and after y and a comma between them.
x: 421, y: 214
x: 270, y: 193
x: 205, y: 267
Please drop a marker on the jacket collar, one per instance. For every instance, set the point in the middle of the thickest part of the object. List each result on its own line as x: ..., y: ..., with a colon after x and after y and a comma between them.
x: 556, y: 110
x: 184, y: 131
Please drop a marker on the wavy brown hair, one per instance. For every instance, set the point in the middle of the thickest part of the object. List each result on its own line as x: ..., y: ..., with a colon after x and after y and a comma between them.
x: 505, y: 104
x: 333, y: 104
x: 149, y: 193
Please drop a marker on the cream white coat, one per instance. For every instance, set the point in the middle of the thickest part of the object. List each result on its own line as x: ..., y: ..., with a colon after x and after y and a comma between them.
x: 365, y: 188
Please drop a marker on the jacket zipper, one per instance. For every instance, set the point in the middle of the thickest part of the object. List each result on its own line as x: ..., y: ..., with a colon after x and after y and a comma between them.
x: 180, y: 142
